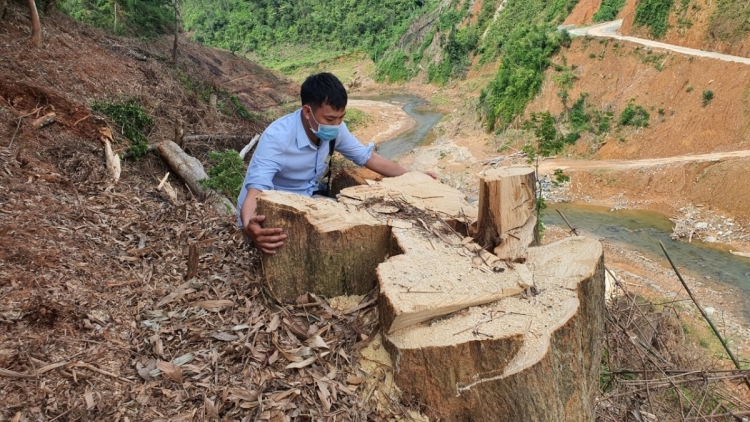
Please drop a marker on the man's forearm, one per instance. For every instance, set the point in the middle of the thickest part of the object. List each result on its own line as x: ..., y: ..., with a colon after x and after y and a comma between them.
x: 248, y: 207
x: 384, y: 166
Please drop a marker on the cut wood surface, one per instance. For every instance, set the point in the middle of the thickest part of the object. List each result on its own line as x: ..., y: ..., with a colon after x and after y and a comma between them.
x: 332, y: 249
x: 419, y: 190
x: 43, y: 121
x: 506, y: 202
x: 352, y: 176
x: 526, y: 357
x: 515, y: 242
x: 432, y: 279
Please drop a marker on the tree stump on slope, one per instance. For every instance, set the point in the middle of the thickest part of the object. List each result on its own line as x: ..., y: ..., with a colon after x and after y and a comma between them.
x: 331, y: 249
x: 531, y: 357
x: 506, y: 220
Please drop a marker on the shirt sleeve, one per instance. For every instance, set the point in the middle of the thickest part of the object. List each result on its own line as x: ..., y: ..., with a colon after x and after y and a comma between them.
x: 266, y: 162
x: 350, y: 147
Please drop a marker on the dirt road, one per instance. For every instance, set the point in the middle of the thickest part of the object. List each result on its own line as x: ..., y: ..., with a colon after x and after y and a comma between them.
x: 609, y: 30
x: 548, y: 166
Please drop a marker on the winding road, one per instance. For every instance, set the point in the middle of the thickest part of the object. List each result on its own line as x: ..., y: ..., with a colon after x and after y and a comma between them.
x: 609, y: 30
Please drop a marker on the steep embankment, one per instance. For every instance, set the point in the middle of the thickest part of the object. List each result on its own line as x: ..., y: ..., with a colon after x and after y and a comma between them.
x: 670, y: 87
x: 722, y: 26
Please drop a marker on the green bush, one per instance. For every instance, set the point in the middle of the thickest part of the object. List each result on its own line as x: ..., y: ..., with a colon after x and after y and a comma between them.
x: 133, y: 121
x: 608, y: 10
x: 526, y: 56
x: 393, y: 68
x: 356, y: 118
x: 634, y: 115
x: 708, y: 95
x: 227, y: 174
x: 653, y: 14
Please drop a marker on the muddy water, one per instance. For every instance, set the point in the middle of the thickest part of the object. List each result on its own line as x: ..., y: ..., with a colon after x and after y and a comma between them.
x: 642, y: 231
x: 420, y: 135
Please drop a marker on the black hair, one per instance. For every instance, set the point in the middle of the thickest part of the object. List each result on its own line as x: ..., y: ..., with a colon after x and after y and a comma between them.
x: 323, y: 88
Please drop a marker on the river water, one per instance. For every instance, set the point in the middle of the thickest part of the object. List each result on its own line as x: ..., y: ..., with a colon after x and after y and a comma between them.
x: 420, y: 135
x: 639, y: 230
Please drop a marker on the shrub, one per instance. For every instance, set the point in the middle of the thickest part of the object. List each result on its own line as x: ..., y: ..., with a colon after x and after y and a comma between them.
x: 708, y: 95
x: 608, y: 10
x: 634, y: 115
x: 228, y: 173
x: 654, y: 14
x: 133, y: 121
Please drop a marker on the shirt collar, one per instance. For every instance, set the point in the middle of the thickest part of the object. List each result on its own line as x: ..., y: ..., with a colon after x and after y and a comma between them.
x: 302, y: 139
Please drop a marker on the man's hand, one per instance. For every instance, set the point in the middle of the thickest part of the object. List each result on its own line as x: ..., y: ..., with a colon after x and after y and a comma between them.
x: 267, y: 240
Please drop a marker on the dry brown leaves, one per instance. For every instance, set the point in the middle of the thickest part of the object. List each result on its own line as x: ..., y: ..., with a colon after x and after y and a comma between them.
x: 99, y: 323
x: 651, y: 371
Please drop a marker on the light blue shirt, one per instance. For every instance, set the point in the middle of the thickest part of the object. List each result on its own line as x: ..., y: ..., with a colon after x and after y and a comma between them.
x: 286, y: 160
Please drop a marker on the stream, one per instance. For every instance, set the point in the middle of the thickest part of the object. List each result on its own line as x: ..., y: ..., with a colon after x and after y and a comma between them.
x: 420, y: 135
x: 637, y: 229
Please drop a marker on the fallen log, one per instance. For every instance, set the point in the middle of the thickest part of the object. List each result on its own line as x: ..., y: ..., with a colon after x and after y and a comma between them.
x: 43, y: 121
x: 331, y: 249
x: 191, y: 171
x: 530, y: 357
x: 191, y: 138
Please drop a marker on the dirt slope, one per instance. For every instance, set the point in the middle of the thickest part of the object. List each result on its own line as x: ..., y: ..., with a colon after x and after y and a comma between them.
x: 92, y: 275
x: 614, y: 73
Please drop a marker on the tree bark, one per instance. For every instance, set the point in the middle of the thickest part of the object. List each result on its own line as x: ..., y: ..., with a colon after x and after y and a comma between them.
x: 331, y: 249
x: 506, y: 203
x: 176, y: 31
x: 188, y: 168
x: 36, y: 26
x: 191, y: 171
x: 533, y: 358
x: 191, y: 138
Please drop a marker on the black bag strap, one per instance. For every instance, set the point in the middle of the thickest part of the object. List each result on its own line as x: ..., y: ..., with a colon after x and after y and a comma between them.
x: 327, y: 191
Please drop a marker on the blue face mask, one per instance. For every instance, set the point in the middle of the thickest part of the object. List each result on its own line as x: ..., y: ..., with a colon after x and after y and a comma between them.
x: 325, y: 133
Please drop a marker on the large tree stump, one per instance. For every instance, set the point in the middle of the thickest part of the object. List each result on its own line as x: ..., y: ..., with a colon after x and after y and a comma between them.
x: 506, y: 206
x: 332, y: 249
x: 352, y: 176
x: 531, y: 357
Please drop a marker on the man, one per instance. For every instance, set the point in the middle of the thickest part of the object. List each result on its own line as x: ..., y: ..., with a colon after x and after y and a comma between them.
x: 293, y: 155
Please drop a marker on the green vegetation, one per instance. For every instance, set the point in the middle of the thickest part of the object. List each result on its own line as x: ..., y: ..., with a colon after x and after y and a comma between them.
x: 356, y: 118
x: 547, y: 142
x: 689, y: 88
x: 227, y: 174
x: 226, y: 103
x: 608, y: 10
x: 133, y: 121
x: 520, y: 15
x: 648, y: 57
x: 634, y: 115
x: 526, y: 56
x: 730, y: 21
x: 135, y: 18
x: 333, y: 25
x: 653, y: 14
x: 707, y: 96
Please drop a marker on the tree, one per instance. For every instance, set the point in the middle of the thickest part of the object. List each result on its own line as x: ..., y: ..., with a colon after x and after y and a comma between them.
x: 548, y: 141
x: 36, y: 26
x: 176, y: 30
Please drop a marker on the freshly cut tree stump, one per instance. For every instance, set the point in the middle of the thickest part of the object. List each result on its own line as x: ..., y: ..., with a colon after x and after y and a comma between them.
x: 352, y: 176
x: 506, y: 203
x: 531, y: 357
x: 439, y: 271
x: 420, y: 191
x: 332, y: 249
x: 426, y: 283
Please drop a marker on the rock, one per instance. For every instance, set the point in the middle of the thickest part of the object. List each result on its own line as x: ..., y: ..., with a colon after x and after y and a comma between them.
x: 709, y: 310
x: 709, y: 239
x: 701, y: 225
